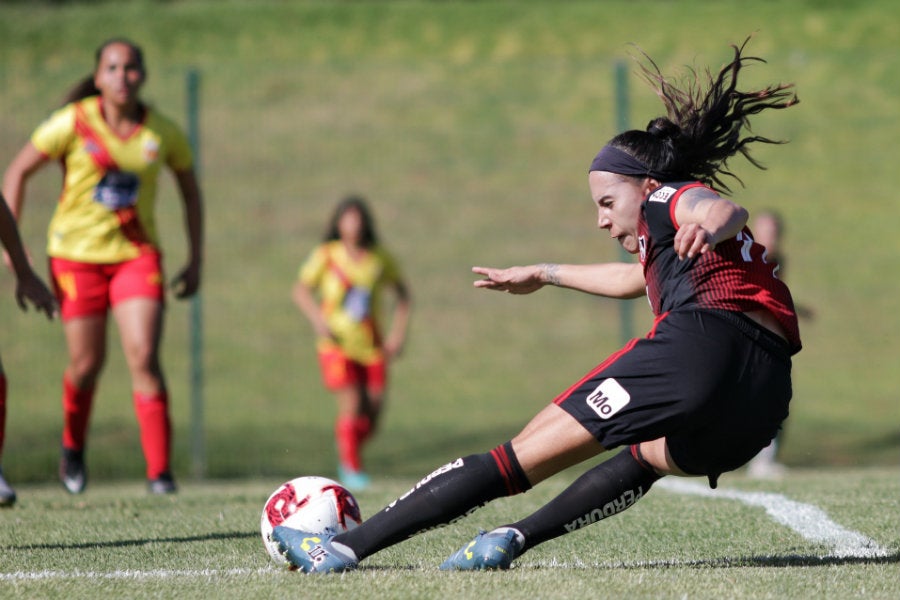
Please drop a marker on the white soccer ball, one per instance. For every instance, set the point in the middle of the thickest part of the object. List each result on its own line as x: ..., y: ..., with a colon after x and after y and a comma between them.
x: 309, y: 504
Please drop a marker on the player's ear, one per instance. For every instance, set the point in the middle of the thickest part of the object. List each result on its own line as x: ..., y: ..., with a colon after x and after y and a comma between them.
x: 650, y: 184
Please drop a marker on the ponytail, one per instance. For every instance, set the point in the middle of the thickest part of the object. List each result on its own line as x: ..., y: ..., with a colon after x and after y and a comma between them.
x: 703, y: 128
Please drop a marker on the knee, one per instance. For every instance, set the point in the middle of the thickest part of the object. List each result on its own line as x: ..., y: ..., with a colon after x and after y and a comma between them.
x: 143, y: 359
x: 84, y: 369
x: 656, y: 454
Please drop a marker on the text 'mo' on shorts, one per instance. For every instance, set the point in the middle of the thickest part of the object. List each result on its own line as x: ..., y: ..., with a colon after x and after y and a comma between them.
x: 85, y: 289
x: 715, y: 384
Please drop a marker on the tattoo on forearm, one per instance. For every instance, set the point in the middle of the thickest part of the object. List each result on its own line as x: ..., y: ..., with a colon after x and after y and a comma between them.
x: 551, y: 273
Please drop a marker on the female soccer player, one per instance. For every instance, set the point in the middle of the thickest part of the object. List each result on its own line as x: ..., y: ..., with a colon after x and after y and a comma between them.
x: 29, y: 288
x: 349, y: 270
x: 700, y: 395
x: 103, y: 246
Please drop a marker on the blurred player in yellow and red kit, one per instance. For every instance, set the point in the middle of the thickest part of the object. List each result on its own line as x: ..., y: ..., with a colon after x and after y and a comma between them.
x: 103, y: 244
x: 348, y: 271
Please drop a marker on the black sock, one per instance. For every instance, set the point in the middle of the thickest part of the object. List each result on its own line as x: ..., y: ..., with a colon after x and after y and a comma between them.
x: 605, y: 490
x: 452, y: 491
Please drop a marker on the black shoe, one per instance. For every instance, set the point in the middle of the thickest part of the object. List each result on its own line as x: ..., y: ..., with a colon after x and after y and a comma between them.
x: 72, y: 473
x: 164, y: 484
x: 7, y: 494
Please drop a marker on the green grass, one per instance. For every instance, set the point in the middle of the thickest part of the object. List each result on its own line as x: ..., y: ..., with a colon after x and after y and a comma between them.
x: 470, y: 126
x: 117, y: 541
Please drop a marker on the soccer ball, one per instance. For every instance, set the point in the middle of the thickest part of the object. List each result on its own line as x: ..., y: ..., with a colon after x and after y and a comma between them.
x: 309, y: 504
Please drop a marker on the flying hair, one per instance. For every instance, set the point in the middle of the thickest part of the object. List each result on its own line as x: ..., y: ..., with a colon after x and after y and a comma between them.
x: 706, y: 116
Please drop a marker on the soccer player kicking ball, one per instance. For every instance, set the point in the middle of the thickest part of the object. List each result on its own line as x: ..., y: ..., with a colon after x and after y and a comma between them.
x: 700, y: 395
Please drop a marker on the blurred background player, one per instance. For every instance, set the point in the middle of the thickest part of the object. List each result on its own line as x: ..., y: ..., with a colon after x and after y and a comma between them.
x: 29, y: 288
x: 103, y: 245
x: 768, y: 230
x: 348, y: 272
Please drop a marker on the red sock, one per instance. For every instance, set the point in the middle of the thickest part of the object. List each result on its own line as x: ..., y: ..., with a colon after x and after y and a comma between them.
x: 152, y: 412
x: 347, y: 443
x: 76, y: 413
x: 363, y: 427
x: 2, y: 411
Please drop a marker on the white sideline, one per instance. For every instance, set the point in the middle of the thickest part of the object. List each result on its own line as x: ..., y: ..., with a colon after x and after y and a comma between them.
x: 807, y: 520
x: 128, y: 574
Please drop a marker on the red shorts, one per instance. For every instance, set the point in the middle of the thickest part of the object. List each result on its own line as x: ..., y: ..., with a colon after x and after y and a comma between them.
x: 339, y: 372
x: 85, y: 289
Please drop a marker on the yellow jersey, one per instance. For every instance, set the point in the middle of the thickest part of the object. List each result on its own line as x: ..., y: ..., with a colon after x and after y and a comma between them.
x: 105, y: 213
x: 349, y: 291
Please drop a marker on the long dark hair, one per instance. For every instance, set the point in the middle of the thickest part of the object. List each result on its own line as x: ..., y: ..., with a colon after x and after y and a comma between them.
x: 702, y: 129
x: 368, y: 238
x: 85, y: 86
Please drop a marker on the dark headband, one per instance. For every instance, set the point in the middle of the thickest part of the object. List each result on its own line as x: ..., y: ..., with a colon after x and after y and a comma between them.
x: 617, y: 161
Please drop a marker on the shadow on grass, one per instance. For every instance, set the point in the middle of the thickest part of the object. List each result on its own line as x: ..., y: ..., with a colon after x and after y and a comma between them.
x: 791, y: 560
x: 234, y: 535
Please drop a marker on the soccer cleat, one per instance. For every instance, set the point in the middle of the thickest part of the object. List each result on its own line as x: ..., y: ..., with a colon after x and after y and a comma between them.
x: 354, y: 480
x: 487, y: 552
x: 164, y: 484
x: 72, y: 472
x: 7, y: 494
x: 313, y: 552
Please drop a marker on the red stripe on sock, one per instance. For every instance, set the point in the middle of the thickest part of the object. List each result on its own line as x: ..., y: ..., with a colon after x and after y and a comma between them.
x: 504, y: 465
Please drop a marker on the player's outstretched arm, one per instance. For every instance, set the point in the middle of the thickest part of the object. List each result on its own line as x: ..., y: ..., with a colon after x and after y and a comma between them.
x: 613, y: 280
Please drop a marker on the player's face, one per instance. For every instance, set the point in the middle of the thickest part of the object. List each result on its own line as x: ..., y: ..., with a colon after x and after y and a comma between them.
x: 119, y: 74
x: 618, y: 200
x: 350, y: 226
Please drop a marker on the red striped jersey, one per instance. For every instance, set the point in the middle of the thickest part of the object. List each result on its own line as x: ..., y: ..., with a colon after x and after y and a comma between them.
x: 737, y: 276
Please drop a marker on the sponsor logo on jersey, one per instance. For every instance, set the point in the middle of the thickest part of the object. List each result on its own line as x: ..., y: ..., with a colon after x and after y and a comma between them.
x: 608, y: 399
x: 662, y: 194
x: 642, y: 247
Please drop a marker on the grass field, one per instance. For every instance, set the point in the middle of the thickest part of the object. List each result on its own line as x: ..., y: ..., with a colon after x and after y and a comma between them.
x: 470, y: 126
x: 823, y: 534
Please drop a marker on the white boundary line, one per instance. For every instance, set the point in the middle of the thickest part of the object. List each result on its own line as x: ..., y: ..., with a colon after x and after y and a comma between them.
x: 129, y: 574
x: 807, y: 520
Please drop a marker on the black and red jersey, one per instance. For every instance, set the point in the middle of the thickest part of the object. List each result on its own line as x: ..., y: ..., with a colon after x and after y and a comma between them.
x: 736, y: 276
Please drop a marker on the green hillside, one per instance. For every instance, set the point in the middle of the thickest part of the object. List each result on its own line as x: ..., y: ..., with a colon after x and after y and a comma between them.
x: 470, y: 126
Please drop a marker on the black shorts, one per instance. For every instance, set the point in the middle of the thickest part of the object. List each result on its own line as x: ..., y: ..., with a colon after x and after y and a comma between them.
x: 715, y: 384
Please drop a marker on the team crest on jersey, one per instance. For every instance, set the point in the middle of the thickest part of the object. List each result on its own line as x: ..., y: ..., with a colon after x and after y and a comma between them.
x: 151, y: 151
x: 662, y: 194
x: 642, y: 247
x: 608, y: 399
